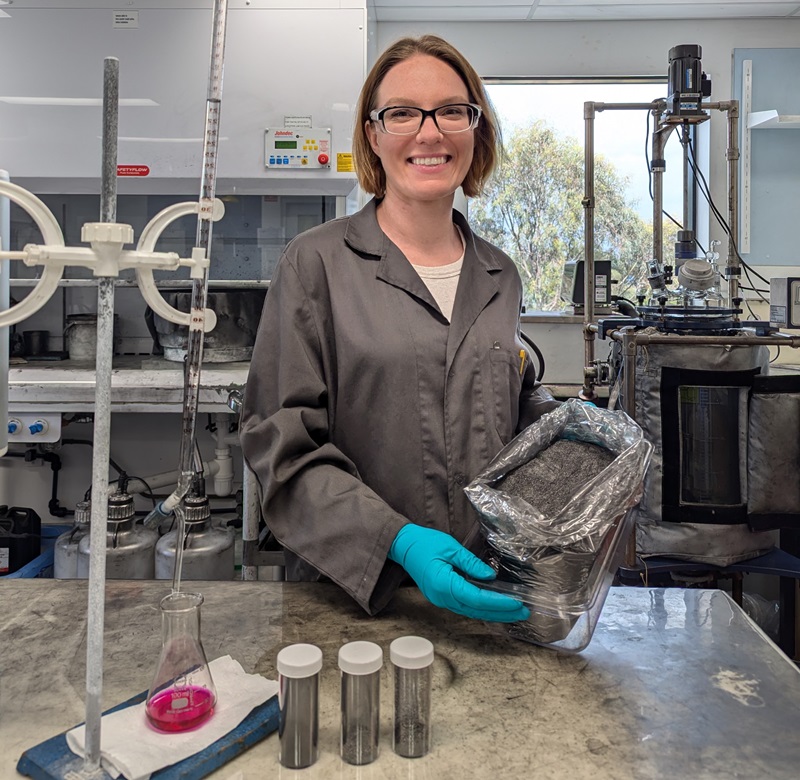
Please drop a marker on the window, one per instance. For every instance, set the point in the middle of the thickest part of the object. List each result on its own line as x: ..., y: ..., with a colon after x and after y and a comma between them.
x: 533, y: 208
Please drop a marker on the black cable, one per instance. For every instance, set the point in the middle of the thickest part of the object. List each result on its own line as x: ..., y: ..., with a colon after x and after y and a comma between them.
x: 650, y: 183
x: 650, y: 172
x: 539, y: 355
x: 686, y: 140
x: 752, y: 313
x: 777, y: 355
x: 148, y: 494
x: 707, y: 194
x: 752, y: 289
x: 624, y: 306
x: 111, y: 462
x: 706, y: 191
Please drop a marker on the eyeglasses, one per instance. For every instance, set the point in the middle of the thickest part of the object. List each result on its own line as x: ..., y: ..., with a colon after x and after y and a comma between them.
x: 407, y: 120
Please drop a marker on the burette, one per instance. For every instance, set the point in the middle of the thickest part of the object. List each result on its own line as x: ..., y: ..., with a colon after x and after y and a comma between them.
x: 194, y: 352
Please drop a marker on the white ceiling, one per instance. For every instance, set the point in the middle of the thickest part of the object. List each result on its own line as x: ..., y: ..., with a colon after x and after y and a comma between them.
x: 578, y: 10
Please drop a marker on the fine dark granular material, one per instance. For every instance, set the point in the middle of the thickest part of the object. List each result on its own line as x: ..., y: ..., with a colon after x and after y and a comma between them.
x: 550, y: 479
x: 359, y: 745
x: 411, y: 738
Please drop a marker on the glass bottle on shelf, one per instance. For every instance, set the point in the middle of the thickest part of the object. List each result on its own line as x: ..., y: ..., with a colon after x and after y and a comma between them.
x: 182, y: 695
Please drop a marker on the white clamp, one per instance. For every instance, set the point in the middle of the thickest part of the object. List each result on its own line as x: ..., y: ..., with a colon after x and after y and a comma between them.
x: 106, y: 257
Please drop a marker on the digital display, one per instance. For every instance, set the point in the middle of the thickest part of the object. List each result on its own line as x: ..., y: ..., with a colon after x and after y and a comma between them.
x: 286, y: 144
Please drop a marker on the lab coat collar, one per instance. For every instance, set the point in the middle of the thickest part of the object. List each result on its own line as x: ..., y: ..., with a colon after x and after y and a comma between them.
x: 476, y: 287
x: 364, y: 235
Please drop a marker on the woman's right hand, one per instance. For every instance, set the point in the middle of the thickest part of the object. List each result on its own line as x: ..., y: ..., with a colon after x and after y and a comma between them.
x: 431, y: 557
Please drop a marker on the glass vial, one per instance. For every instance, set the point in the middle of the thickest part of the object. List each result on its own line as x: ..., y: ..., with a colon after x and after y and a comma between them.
x: 361, y: 664
x: 298, y: 700
x: 411, y: 657
x: 182, y: 695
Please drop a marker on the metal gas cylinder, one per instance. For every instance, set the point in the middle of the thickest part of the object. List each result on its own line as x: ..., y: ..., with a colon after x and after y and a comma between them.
x: 208, y: 551
x: 129, y: 547
x: 65, y: 555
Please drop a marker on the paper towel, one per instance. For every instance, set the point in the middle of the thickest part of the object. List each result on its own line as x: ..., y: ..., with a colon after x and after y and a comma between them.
x: 130, y: 747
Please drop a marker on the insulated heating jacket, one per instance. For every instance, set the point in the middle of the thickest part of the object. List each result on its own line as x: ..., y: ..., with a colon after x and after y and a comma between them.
x: 365, y: 409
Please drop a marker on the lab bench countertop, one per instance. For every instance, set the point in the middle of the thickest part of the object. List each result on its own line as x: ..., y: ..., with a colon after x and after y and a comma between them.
x: 675, y: 683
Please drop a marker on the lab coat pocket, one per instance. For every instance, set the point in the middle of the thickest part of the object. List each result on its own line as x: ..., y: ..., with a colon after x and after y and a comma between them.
x: 506, y: 389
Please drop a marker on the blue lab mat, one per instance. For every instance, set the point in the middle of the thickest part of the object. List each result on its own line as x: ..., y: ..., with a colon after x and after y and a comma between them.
x: 53, y: 760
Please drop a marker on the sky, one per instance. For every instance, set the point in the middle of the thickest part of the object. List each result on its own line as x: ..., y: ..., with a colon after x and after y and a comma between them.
x: 619, y: 135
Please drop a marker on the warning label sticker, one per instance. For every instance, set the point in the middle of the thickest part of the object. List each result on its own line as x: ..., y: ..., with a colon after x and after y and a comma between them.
x: 344, y: 162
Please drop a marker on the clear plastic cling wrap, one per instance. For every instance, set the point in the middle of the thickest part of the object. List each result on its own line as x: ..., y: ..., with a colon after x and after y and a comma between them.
x: 556, y: 553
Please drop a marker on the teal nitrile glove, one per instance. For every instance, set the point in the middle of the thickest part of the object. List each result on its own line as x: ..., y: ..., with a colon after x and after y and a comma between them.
x: 430, y: 557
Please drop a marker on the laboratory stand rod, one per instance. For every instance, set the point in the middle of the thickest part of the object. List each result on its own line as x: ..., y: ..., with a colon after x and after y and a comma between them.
x: 587, y: 391
x: 660, y: 136
x: 252, y: 515
x: 102, y: 428
x: 5, y: 302
x: 629, y: 348
x: 687, y: 223
x: 733, y: 200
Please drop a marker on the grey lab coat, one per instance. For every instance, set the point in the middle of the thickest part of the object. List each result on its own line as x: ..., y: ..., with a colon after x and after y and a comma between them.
x: 365, y: 409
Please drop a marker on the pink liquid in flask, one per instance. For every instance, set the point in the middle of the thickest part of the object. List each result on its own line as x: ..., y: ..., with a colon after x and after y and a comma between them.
x: 180, y: 709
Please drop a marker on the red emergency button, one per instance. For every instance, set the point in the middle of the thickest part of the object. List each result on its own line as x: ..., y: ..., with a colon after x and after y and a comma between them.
x: 323, y: 159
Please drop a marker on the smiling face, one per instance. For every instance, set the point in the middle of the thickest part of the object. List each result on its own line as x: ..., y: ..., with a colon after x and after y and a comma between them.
x: 425, y: 166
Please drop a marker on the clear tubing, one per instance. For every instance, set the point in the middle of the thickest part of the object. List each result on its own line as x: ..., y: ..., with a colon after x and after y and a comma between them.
x: 180, y: 540
x: 360, y: 727
x: 194, y: 355
x: 102, y: 429
x: 411, y: 733
x: 298, y: 729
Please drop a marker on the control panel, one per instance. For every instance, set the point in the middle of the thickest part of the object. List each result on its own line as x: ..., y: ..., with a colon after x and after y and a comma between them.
x: 28, y: 428
x: 784, y: 302
x: 297, y: 148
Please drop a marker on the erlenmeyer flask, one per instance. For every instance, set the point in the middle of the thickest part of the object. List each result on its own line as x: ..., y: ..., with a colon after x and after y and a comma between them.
x: 182, y: 695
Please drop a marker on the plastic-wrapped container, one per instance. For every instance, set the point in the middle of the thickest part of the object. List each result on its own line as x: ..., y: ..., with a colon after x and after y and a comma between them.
x: 567, y: 620
x: 560, y: 559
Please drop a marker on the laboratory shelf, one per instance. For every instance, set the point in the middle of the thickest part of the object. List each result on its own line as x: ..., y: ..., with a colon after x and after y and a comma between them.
x: 139, y: 383
x: 757, y: 120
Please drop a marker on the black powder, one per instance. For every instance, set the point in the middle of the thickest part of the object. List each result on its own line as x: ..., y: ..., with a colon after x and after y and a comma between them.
x: 550, y: 479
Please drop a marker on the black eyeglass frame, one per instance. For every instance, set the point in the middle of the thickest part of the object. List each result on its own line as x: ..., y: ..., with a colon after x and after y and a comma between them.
x: 377, y: 117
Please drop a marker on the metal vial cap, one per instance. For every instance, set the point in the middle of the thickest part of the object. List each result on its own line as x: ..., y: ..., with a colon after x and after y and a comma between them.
x: 198, y: 509
x: 120, y: 506
x: 83, y: 512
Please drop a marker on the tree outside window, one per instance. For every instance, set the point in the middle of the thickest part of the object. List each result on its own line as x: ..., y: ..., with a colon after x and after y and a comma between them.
x: 532, y: 208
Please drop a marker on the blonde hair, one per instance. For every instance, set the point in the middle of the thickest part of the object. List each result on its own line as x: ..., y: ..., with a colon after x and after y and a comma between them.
x: 369, y: 169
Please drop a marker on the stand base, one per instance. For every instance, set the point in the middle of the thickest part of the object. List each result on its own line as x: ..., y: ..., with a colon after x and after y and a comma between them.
x: 53, y: 760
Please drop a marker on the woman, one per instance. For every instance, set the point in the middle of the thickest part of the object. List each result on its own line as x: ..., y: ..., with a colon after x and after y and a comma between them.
x: 388, y: 368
